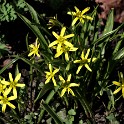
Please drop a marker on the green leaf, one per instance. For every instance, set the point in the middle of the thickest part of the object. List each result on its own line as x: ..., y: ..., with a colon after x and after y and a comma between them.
x: 109, y: 23
x: 71, y: 112
x: 45, y: 88
x: 33, y: 13
x: 8, y: 65
x: 36, y: 31
x: 51, y: 112
x: 119, y: 55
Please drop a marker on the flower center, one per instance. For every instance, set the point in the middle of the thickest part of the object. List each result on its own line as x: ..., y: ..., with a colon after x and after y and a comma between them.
x: 61, y: 39
x: 13, y: 84
x: 5, y: 100
x: 84, y: 61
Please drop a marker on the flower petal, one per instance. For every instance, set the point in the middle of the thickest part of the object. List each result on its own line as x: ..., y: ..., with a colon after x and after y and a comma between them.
x: 61, y: 79
x: 123, y: 92
x: 63, y: 92
x: 71, y: 91
x: 10, y: 77
x: 66, y: 56
x: 85, y: 10
x: 77, y: 10
x: 73, y: 85
x: 53, y: 43
x: 55, y: 71
x: 69, y: 78
x: 117, y: 90
x: 62, y: 31
x: 54, y: 81
x: 20, y: 85
x: 82, y: 55
x: 12, y: 98
x: 5, y: 82
x: 55, y: 35
x: 15, y: 92
x: 18, y: 76
x: 77, y: 61
x: 11, y: 105
x: 7, y: 91
x: 3, y: 108
x: 87, y: 54
x: 68, y: 44
x: 74, y: 21
x: 116, y: 83
x: 87, y: 66
x: 68, y: 36
x: 58, y: 54
x: 79, y: 68
x: 88, y: 17
x: 50, y: 68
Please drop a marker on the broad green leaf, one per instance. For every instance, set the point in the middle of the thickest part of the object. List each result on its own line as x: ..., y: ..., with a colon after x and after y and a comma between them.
x: 51, y: 112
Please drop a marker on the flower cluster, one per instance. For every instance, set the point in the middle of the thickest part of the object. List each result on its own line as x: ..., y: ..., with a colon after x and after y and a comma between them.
x: 5, y: 89
x: 62, y: 45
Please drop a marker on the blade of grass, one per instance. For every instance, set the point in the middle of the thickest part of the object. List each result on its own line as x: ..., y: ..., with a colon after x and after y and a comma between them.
x: 51, y: 112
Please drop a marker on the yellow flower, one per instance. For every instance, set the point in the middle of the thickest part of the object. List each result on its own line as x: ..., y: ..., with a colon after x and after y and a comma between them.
x: 80, y: 15
x: 2, y: 87
x: 61, y: 39
x: 65, y: 49
x: 4, y: 101
x: 120, y: 84
x: 50, y: 75
x: 84, y: 61
x: 66, y: 85
x: 34, y: 49
x: 13, y: 84
x: 52, y: 22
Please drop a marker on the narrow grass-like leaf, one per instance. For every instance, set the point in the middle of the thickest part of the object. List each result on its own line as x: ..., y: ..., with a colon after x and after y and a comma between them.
x: 45, y: 88
x: 8, y: 65
x: 48, y: 99
x: 118, y: 44
x: 109, y: 23
x: 33, y: 13
x: 36, y: 31
x: 84, y: 103
x: 36, y: 66
x: 52, y: 113
x: 119, y: 55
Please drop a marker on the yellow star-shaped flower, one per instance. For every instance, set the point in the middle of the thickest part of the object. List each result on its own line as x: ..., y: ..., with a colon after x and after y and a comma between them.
x: 61, y: 39
x: 84, y: 61
x: 50, y: 75
x: 34, y: 48
x: 4, y: 101
x: 65, y: 49
x: 120, y: 84
x: 66, y: 85
x: 13, y: 84
x: 79, y: 15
